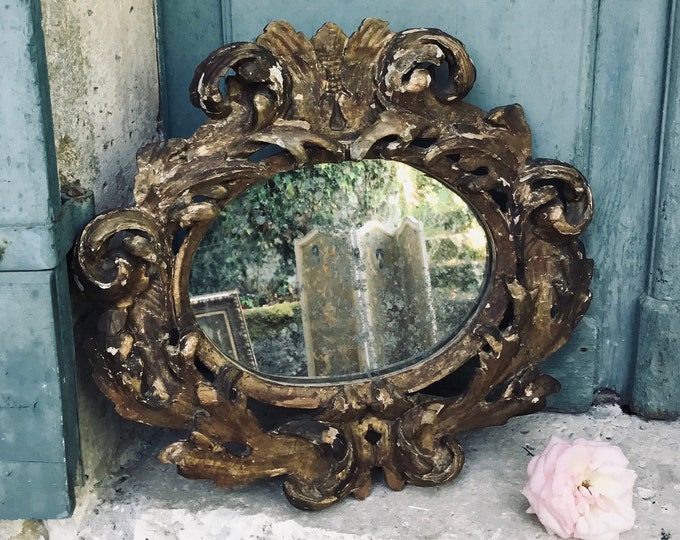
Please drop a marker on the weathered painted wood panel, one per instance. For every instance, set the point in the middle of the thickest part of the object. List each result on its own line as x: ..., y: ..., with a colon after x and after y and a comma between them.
x: 30, y: 403
x: 34, y: 490
x: 656, y: 390
x: 39, y: 435
x: 25, y: 109
x: 629, y: 81
x: 188, y: 32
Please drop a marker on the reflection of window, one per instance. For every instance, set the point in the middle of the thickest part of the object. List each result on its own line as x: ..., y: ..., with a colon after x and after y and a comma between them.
x: 366, y: 298
x: 221, y: 319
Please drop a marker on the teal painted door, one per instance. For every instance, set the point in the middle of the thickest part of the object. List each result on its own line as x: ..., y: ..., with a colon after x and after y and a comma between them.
x: 39, y: 445
x: 591, y: 76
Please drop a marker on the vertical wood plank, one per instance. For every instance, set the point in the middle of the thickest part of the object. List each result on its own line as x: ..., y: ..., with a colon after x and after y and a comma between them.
x: 39, y: 445
x: 574, y: 366
x: 32, y: 490
x: 26, y: 141
x: 627, y: 101
x: 188, y: 32
x: 656, y: 390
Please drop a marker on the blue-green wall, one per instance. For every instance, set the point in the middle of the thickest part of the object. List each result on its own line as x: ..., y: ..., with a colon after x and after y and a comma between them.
x: 39, y: 446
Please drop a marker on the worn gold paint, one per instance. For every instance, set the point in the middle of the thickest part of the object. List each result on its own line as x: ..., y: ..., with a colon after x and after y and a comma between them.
x: 330, y: 99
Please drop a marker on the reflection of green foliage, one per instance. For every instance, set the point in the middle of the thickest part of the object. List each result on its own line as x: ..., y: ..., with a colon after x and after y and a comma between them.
x: 464, y: 275
x: 250, y: 247
x: 447, y: 248
x: 269, y: 320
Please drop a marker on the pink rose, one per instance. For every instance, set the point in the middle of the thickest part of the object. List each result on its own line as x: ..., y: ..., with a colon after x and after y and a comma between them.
x: 581, y: 490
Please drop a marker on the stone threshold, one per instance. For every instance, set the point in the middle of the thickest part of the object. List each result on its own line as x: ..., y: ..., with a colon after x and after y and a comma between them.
x: 148, y: 500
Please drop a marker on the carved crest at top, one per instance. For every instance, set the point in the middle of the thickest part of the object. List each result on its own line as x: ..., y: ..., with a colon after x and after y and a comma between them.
x: 285, y: 76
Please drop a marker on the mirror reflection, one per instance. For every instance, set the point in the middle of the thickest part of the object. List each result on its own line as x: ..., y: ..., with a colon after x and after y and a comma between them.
x: 338, y: 269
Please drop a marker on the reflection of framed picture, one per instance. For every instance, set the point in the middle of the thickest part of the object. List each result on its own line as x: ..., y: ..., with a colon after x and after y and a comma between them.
x: 221, y: 319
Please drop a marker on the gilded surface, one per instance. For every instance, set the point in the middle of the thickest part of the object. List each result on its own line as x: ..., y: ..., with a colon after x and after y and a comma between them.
x: 373, y: 95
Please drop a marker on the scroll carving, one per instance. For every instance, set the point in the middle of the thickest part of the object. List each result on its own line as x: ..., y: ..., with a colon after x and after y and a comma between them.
x: 373, y: 95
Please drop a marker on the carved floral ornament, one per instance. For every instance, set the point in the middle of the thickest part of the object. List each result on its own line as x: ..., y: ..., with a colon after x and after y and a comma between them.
x: 329, y: 99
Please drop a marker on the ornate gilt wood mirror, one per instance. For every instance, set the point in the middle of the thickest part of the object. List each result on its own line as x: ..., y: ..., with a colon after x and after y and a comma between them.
x: 346, y: 266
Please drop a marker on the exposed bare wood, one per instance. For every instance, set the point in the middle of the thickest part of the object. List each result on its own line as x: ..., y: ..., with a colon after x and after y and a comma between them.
x: 373, y: 95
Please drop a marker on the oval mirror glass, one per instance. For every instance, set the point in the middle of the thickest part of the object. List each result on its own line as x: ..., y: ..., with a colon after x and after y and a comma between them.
x: 339, y: 270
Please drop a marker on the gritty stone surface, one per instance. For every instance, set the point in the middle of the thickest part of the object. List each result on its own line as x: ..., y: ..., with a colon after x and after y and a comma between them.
x: 103, y: 74
x: 145, y: 499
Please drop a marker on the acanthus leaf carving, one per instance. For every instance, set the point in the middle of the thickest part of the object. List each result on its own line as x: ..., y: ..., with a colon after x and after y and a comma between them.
x: 373, y: 95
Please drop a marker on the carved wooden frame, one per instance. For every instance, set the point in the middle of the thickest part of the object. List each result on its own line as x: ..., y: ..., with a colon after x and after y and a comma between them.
x: 374, y: 95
